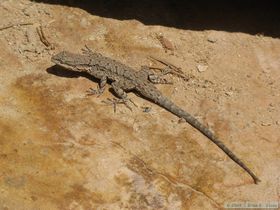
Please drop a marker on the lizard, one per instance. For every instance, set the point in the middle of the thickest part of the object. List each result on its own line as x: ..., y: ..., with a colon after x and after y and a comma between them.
x: 124, y: 79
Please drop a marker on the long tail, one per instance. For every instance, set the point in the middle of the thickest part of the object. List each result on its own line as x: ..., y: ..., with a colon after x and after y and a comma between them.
x: 171, y: 107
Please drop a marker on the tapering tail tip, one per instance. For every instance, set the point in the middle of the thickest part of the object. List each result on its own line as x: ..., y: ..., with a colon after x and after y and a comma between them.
x: 256, y: 180
x: 254, y: 177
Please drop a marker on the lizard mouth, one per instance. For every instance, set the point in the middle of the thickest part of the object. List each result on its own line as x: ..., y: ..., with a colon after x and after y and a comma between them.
x: 58, y: 62
x: 65, y: 66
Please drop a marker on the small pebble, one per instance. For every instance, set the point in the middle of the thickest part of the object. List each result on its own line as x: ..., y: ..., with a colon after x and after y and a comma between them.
x: 265, y: 124
x: 182, y: 120
x: 146, y: 109
x: 201, y: 68
x: 212, y: 39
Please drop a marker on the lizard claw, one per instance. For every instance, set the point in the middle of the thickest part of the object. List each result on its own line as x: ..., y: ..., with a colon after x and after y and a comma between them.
x: 157, y: 79
x: 115, y: 101
x: 87, y: 51
x: 92, y: 91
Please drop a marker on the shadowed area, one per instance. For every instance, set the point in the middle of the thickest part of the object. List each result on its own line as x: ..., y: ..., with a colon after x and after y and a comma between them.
x: 62, y: 72
x: 252, y: 17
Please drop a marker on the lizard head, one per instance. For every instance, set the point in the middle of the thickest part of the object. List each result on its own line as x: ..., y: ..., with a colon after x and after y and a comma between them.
x: 72, y: 61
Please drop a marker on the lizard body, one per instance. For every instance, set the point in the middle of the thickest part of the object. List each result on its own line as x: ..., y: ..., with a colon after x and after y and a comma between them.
x: 124, y: 78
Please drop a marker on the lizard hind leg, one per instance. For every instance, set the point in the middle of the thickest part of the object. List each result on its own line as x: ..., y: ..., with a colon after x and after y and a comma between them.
x: 156, y: 78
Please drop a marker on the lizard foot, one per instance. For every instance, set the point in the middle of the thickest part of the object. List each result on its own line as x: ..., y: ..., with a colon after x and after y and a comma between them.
x: 92, y: 91
x: 157, y: 79
x: 115, y: 101
x: 87, y: 51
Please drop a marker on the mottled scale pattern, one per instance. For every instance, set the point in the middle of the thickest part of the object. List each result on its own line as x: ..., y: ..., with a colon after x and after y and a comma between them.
x: 125, y: 78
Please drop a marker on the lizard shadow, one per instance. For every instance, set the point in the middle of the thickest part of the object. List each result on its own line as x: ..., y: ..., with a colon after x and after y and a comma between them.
x: 62, y: 72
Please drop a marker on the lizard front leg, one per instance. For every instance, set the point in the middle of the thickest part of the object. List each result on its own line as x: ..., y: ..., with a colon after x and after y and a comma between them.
x: 100, y: 89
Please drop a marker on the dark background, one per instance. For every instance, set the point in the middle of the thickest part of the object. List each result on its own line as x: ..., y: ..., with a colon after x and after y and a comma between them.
x: 247, y: 16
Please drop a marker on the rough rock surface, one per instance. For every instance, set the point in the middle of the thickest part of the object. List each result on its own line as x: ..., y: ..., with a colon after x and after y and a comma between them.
x: 60, y: 149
